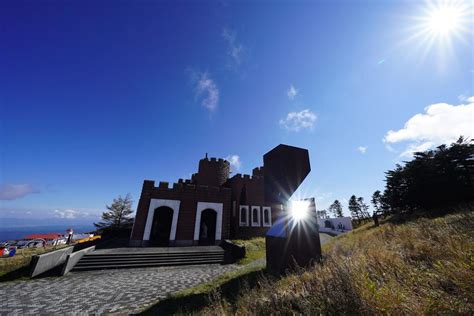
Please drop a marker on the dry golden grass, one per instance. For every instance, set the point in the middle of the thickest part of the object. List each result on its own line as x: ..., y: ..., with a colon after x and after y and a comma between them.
x: 420, y: 267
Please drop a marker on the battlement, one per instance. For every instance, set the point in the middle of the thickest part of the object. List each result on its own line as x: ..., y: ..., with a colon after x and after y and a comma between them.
x: 214, y: 160
x: 182, y: 186
x: 245, y: 177
x: 257, y: 172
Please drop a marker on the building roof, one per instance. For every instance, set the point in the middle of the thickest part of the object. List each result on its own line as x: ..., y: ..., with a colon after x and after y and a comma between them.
x: 48, y: 236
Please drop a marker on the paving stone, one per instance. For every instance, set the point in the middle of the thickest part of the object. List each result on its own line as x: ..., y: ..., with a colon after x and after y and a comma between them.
x: 98, y: 292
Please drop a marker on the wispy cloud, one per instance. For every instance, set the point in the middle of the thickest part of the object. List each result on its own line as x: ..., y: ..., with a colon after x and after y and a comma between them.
x: 235, y: 49
x: 69, y: 214
x: 292, y: 92
x: 16, y: 191
x: 207, y: 91
x: 234, y: 161
x: 441, y: 123
x: 466, y: 99
x: 362, y: 149
x: 296, y: 121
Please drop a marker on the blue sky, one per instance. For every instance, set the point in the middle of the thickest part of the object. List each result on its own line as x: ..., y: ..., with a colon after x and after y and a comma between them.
x: 96, y: 96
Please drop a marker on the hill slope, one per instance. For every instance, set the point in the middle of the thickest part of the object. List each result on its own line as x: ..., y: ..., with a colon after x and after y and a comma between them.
x: 424, y: 266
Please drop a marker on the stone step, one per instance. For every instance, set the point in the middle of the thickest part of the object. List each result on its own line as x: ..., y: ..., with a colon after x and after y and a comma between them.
x: 152, y: 254
x: 94, y: 260
x: 80, y: 264
x: 120, y: 258
x: 207, y: 256
x: 115, y: 265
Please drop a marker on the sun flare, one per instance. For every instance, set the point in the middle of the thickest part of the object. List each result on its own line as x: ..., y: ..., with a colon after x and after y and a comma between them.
x: 438, y: 26
x: 299, y: 210
x: 445, y: 20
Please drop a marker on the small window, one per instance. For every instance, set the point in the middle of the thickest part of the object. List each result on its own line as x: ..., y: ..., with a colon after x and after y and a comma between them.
x: 267, y: 216
x: 255, y: 216
x: 244, y: 215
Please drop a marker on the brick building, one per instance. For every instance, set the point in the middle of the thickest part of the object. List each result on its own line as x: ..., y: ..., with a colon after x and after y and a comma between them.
x: 211, y: 206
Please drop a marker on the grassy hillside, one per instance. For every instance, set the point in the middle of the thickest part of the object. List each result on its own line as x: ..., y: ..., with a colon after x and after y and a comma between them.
x: 420, y: 267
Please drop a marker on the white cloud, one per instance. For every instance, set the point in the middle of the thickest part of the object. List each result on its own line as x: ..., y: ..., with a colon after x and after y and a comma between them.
x: 296, y: 121
x: 207, y: 87
x: 234, y: 48
x: 416, y: 147
x: 390, y: 148
x: 234, y: 161
x: 441, y: 123
x: 467, y: 99
x: 362, y: 149
x: 68, y: 214
x: 292, y: 92
x: 16, y: 191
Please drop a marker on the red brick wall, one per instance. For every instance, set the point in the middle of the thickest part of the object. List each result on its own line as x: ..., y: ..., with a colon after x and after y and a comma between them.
x: 255, y: 196
x: 213, y: 172
x: 189, y: 195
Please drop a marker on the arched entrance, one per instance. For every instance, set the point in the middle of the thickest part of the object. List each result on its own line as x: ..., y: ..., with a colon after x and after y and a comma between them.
x: 207, y: 227
x: 161, y: 226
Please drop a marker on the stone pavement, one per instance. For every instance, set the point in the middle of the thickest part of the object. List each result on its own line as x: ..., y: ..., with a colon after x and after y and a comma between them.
x: 98, y: 292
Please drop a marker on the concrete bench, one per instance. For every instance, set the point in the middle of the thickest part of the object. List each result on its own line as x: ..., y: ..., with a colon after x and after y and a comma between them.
x: 73, y: 258
x: 47, y: 261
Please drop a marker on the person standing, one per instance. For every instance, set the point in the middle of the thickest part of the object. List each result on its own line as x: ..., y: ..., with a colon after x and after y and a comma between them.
x: 376, y: 219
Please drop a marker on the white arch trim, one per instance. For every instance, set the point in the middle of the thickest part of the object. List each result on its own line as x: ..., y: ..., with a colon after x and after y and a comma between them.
x: 156, y: 203
x: 201, y: 206
x: 255, y: 222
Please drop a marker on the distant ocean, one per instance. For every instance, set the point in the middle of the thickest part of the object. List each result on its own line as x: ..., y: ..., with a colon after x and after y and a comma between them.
x: 16, y: 233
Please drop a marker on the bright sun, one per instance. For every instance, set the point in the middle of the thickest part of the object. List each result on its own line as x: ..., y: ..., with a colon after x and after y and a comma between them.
x: 299, y: 210
x: 444, y: 20
x: 439, y: 25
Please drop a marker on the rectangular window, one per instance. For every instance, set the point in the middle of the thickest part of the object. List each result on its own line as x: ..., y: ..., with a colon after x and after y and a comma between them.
x: 267, y: 216
x: 244, y: 215
x: 255, y: 216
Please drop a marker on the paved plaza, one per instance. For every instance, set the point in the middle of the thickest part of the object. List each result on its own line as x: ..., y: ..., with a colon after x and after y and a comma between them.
x: 97, y: 292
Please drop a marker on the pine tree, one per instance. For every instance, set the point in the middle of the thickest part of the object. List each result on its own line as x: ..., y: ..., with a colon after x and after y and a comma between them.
x: 336, y: 209
x: 118, y: 214
x: 377, y: 201
x: 434, y: 179
x: 363, y: 207
x: 355, y: 208
x: 322, y: 214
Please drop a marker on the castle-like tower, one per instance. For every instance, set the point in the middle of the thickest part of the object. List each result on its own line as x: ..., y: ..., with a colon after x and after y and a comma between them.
x: 211, y: 207
x: 213, y: 172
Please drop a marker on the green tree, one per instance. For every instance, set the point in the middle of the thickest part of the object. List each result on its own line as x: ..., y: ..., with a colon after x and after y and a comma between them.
x: 355, y: 208
x: 322, y: 214
x: 336, y: 208
x: 433, y: 179
x: 118, y: 214
x: 377, y: 201
x: 363, y: 207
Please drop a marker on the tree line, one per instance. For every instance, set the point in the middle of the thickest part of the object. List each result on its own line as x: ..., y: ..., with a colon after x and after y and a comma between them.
x: 434, y: 179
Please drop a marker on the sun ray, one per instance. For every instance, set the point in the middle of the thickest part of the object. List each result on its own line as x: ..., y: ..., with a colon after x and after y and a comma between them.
x: 439, y: 26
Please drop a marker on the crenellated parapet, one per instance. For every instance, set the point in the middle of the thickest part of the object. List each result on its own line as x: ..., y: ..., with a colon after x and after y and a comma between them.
x: 149, y: 187
x: 257, y: 172
x: 212, y: 171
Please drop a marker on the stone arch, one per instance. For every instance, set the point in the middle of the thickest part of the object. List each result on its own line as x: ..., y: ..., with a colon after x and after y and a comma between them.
x: 156, y: 203
x: 161, y: 226
x: 207, y: 227
x: 217, y: 207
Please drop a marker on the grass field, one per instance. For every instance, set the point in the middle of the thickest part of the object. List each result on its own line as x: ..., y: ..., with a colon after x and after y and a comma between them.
x: 16, y: 266
x: 254, y: 249
x: 425, y: 266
